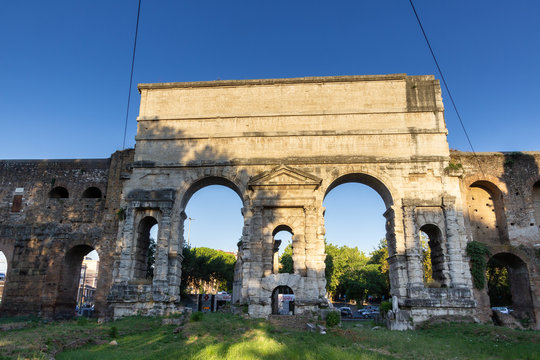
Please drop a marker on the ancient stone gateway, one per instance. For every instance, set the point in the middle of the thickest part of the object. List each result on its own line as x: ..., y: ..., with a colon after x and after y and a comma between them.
x: 282, y: 145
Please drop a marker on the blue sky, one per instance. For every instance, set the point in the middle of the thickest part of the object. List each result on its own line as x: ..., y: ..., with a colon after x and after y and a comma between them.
x: 65, y: 65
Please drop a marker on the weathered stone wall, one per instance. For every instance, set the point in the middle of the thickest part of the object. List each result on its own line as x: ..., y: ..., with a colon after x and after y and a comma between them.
x: 42, y: 236
x: 282, y: 145
x: 506, y: 220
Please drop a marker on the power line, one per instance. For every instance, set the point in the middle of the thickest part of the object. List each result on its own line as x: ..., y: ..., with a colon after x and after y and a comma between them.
x: 446, y: 86
x: 131, y: 76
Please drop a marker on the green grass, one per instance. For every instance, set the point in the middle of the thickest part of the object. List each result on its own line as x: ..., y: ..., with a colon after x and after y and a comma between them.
x: 225, y: 336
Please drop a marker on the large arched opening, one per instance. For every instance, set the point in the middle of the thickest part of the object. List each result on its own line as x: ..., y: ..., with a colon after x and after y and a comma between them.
x: 212, y: 234
x: 486, y: 212
x: 78, y: 282
x: 357, y: 212
x: 509, y: 284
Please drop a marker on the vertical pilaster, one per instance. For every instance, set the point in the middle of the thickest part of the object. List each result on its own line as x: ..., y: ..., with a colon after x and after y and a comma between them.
x: 455, y: 245
x: 412, y: 248
x: 126, y: 263
x: 396, y: 252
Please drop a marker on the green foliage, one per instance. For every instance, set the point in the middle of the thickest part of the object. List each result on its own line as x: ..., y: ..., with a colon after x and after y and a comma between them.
x: 385, y: 307
x: 453, y: 167
x: 333, y: 318
x: 498, y: 284
x: 478, y: 253
x: 82, y: 321
x: 196, y: 316
x: 121, y: 214
x: 286, y: 261
x: 204, y: 264
x: 350, y: 272
x: 113, y: 332
x: 426, y: 258
x: 151, y: 259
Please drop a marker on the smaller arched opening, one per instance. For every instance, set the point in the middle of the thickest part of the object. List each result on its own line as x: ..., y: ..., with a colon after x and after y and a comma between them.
x: 145, y: 248
x: 282, y: 250
x: 58, y: 192
x: 536, y: 202
x: 78, y: 282
x: 433, y: 259
x: 282, y: 301
x: 3, y: 274
x: 508, y: 284
x: 92, y: 193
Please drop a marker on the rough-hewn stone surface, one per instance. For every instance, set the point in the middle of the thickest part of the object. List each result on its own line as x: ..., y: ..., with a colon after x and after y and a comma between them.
x: 501, y: 210
x: 281, y: 145
x: 41, y: 239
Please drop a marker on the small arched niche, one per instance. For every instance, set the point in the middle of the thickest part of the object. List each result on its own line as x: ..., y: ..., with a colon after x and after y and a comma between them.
x: 283, y: 301
x: 92, y: 193
x: 58, y: 192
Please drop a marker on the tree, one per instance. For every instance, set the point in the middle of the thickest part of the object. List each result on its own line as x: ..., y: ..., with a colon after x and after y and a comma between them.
x: 286, y: 261
x: 426, y: 258
x: 151, y: 258
x: 205, y: 265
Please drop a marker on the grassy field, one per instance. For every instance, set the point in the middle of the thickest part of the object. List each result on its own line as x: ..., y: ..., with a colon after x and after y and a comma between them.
x: 226, y: 336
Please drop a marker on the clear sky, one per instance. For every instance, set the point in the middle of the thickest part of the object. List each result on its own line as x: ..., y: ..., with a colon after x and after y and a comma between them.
x: 65, y: 66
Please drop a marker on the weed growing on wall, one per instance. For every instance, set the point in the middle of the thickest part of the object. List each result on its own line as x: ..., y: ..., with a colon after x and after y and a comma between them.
x: 478, y: 253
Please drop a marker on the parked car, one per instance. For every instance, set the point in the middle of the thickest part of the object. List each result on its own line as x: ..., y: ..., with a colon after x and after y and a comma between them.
x: 502, y: 309
x: 369, y: 312
x: 346, y: 311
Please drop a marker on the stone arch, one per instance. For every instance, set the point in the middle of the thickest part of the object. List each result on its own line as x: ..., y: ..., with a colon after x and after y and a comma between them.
x: 437, y: 249
x: 59, y: 192
x: 381, y: 188
x: 279, y: 305
x: 208, y: 181
x: 92, y: 192
x: 486, y: 212
x: 276, y: 245
x: 519, y: 282
x: 66, y: 298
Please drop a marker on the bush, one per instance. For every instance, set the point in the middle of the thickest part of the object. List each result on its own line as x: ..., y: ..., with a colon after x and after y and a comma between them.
x: 113, y: 332
x: 385, y: 307
x: 196, y: 316
x: 333, y: 318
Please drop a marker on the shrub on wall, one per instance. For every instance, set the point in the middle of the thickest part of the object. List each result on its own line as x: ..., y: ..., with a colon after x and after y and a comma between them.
x: 478, y: 253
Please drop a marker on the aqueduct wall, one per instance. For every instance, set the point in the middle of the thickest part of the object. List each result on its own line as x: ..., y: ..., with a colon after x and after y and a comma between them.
x: 281, y: 145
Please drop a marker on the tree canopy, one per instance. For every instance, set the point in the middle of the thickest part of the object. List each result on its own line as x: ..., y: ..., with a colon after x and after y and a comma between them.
x: 349, y: 271
x: 203, y: 264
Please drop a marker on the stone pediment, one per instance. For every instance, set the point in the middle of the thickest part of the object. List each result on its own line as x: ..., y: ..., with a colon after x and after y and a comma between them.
x: 284, y: 176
